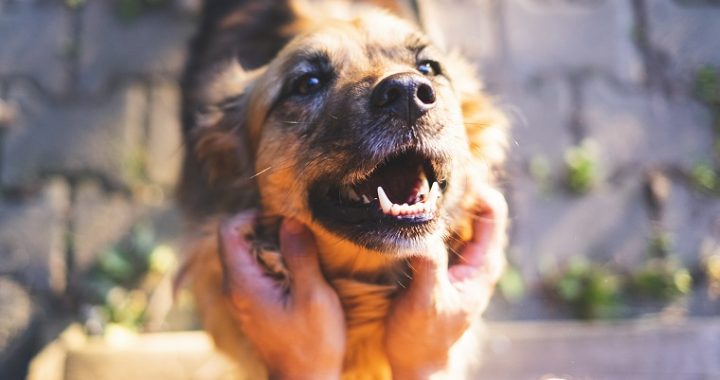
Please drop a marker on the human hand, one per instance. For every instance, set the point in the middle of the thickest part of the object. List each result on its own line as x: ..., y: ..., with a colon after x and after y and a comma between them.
x: 441, y: 302
x: 300, y: 333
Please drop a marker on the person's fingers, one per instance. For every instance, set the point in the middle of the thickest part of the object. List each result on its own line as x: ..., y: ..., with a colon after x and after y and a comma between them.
x: 483, y: 254
x: 242, y: 273
x: 428, y: 272
x: 297, y: 246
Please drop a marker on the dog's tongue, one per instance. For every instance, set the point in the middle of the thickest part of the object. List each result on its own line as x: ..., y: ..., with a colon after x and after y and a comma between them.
x: 402, y: 181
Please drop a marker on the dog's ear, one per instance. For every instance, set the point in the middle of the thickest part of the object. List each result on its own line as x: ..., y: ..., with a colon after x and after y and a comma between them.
x: 235, y: 40
x: 217, y: 168
x: 251, y: 31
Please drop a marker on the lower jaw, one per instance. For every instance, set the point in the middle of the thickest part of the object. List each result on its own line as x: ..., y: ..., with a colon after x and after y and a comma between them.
x: 343, y: 258
x: 387, y: 237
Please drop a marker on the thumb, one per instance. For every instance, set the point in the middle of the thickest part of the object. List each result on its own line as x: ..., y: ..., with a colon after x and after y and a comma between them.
x: 483, y: 255
x: 240, y: 269
x: 429, y: 270
x: 297, y: 246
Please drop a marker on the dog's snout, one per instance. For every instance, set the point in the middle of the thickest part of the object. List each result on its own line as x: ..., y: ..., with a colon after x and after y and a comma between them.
x: 406, y: 94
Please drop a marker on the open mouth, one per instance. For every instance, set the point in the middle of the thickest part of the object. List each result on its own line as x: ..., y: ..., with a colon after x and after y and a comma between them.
x: 404, y: 190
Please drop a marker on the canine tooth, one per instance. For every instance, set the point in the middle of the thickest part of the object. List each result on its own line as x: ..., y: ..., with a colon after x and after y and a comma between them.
x: 434, y: 192
x: 385, y: 203
x: 365, y: 199
x: 431, y: 202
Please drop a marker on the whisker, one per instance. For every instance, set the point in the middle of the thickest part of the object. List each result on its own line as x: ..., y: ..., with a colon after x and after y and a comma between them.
x: 458, y: 255
x: 294, y: 122
x: 261, y: 172
x: 411, y: 267
x: 406, y: 274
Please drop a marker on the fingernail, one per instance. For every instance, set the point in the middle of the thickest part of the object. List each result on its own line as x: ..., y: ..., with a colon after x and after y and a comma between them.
x: 293, y: 226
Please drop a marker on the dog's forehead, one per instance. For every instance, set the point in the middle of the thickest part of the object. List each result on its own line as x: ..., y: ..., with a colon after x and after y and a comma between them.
x: 373, y: 35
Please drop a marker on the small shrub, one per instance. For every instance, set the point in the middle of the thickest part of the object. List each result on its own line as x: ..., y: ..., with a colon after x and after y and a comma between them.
x: 705, y: 178
x: 588, y: 291
x: 707, y: 86
x: 582, y: 168
x: 511, y: 285
x: 662, y: 280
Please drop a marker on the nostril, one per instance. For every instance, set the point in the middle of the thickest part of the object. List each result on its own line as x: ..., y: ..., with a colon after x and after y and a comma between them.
x: 426, y: 94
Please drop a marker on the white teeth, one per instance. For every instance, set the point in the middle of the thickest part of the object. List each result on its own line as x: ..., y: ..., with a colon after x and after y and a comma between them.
x: 385, y: 203
x: 427, y: 205
x: 365, y: 199
x: 395, y: 210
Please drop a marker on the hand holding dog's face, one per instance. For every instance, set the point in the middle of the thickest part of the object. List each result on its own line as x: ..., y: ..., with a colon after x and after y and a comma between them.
x: 298, y: 332
x: 304, y: 325
x: 441, y: 302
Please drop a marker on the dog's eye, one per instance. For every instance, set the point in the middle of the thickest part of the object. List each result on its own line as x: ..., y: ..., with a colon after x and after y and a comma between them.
x: 429, y: 68
x: 308, y: 84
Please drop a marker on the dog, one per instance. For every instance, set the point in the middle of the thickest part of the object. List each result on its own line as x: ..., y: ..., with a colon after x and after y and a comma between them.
x: 347, y: 117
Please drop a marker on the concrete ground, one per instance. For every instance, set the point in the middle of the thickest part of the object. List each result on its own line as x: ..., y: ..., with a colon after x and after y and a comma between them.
x: 638, y: 350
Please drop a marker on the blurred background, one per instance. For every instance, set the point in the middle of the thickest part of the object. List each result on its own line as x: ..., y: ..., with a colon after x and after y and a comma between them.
x: 613, y: 181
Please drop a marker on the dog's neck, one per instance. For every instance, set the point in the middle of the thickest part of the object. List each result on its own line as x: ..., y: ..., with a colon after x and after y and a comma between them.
x: 342, y: 259
x: 366, y: 282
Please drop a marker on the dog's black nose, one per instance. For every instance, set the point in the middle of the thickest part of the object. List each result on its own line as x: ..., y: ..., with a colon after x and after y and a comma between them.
x: 406, y: 94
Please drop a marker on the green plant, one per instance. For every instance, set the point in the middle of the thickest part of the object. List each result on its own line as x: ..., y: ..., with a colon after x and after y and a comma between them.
x: 72, y: 4
x: 511, y: 284
x: 660, y: 245
x: 705, y: 177
x: 588, y: 290
x: 125, y: 277
x: 582, y: 168
x: 129, y: 10
x: 660, y: 279
x: 711, y: 267
x: 707, y: 85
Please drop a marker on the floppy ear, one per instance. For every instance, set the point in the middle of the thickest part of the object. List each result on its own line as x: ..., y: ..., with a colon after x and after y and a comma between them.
x: 235, y: 40
x: 217, y: 168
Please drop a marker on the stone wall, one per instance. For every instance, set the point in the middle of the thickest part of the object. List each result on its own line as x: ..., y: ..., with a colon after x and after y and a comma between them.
x: 89, y: 137
x: 624, y: 75
x: 89, y: 141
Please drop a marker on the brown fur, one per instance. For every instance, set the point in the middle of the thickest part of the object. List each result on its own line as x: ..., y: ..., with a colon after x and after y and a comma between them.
x: 242, y: 152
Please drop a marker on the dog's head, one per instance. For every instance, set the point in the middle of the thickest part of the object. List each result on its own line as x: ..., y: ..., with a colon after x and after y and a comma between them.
x: 359, y: 127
